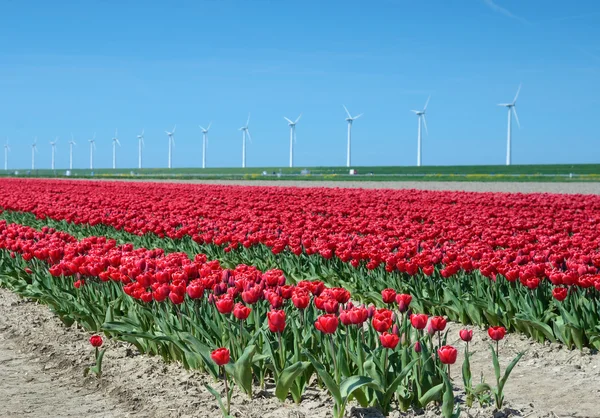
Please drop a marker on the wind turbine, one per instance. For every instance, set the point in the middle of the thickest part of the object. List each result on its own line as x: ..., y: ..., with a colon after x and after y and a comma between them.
x: 6, y: 151
x: 292, y: 126
x: 53, y: 144
x: 171, y: 144
x: 92, y: 148
x: 71, y: 143
x: 421, y: 117
x: 33, y: 151
x: 115, y: 143
x: 349, y: 119
x: 140, y: 144
x: 511, y: 107
x: 245, y: 131
x: 204, y: 143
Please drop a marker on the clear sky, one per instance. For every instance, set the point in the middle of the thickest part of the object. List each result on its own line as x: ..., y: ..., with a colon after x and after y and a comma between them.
x: 93, y: 66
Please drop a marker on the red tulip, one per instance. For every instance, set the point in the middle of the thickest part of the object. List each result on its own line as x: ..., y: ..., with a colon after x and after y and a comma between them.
x: 389, y: 340
x: 276, y: 320
x: 417, y: 347
x: 78, y: 283
x: 388, y: 295
x: 224, y: 305
x: 96, y: 341
x: 418, y: 321
x: 496, y: 333
x: 220, y: 356
x: 381, y: 323
x: 241, y: 311
x: 447, y: 354
x: 560, y: 293
x: 300, y: 298
x: 466, y: 334
x: 403, y: 301
x: 327, y: 323
x: 438, y: 323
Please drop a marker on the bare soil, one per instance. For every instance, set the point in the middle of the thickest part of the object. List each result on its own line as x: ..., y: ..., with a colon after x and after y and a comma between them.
x: 42, y: 363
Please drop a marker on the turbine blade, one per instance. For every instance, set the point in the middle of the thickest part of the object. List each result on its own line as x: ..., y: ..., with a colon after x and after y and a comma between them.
x: 249, y: 136
x: 415, y: 111
x: 288, y: 120
x: 514, y: 109
x: 209, y: 124
x: 426, y: 103
x: 517, y: 95
x: 201, y: 127
x: 118, y: 142
x: 116, y: 132
x: 298, y: 118
x: 143, y: 132
x: 248, y: 121
x: 174, y: 127
x: 504, y: 104
x: 348, y: 113
x: 425, y: 124
x: 168, y: 133
x: 356, y: 117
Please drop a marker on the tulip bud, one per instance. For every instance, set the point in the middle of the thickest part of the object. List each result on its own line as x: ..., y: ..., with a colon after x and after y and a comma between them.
x: 371, y: 311
x: 417, y: 347
x: 395, y: 330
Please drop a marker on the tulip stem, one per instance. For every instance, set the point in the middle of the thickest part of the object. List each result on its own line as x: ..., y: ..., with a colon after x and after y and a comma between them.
x: 497, y: 347
x: 226, y: 390
x: 281, y: 352
x: 385, y: 369
x: 335, y: 367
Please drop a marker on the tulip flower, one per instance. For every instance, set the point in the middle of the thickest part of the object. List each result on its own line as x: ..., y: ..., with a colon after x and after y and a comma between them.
x: 241, y: 311
x: 559, y: 293
x: 388, y: 295
x: 389, y: 340
x: 327, y: 323
x: 466, y: 335
x: 496, y: 334
x: 300, y: 298
x: 276, y: 319
x: 221, y: 357
x: 381, y: 323
x: 96, y: 342
x: 224, y: 305
x: 418, y: 321
x: 447, y: 355
x: 403, y: 302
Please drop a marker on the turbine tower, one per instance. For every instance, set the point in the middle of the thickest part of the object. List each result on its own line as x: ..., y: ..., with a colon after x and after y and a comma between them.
x: 204, y: 143
x: 71, y: 143
x: 292, y: 126
x: 115, y: 143
x: 349, y: 119
x: 420, y: 117
x: 512, y: 107
x: 6, y: 151
x: 171, y: 144
x: 33, y: 151
x: 92, y: 148
x: 53, y: 144
x: 140, y: 145
x: 245, y: 131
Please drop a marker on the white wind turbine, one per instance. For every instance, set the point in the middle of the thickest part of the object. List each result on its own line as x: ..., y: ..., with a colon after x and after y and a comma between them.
x: 140, y: 145
x: 245, y: 131
x: 421, y: 117
x: 204, y: 143
x: 53, y: 144
x: 92, y: 148
x: 115, y: 143
x: 292, y: 126
x: 71, y: 143
x: 349, y: 119
x: 6, y: 151
x: 33, y: 151
x: 171, y: 144
x: 512, y: 107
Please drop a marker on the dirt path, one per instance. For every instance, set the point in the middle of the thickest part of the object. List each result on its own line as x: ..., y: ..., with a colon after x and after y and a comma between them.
x: 41, y: 364
x: 28, y: 390
x: 467, y: 186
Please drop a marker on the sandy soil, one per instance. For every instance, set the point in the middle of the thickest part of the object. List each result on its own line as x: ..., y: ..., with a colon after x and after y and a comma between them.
x: 41, y: 364
x: 567, y: 188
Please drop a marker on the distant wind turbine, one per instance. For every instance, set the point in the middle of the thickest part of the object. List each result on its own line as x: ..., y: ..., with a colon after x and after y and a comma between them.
x: 292, y: 126
x: 421, y: 117
x: 349, y: 119
x: 140, y: 145
x: 245, y: 131
x: 512, y: 107
x: 33, y: 151
x: 204, y: 143
x: 71, y: 143
x: 115, y: 143
x: 6, y: 151
x: 171, y: 144
x: 92, y: 148
x: 53, y: 144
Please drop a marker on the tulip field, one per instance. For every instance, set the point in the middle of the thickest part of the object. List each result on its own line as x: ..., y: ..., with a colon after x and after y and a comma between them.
x: 292, y: 288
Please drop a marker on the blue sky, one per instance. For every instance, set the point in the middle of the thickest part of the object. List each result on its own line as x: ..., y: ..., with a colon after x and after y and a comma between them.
x: 93, y: 66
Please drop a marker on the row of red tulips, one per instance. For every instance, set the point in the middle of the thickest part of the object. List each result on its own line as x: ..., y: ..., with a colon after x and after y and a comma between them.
x: 212, y: 306
x: 524, y: 238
